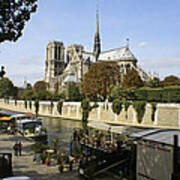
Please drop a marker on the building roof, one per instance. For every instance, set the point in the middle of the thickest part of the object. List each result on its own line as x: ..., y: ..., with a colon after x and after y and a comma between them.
x: 89, y: 55
x: 117, y: 54
x: 70, y: 78
x: 160, y: 136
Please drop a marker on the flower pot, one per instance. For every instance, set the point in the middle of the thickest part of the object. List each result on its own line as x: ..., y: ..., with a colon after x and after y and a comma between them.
x: 48, y: 162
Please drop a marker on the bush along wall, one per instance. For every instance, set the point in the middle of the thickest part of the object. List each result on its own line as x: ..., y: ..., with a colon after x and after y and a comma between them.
x: 126, y: 106
x: 30, y: 104
x: 59, y: 106
x: 25, y: 103
x: 154, y: 107
x: 117, y: 106
x: 164, y: 95
x: 36, y: 104
x: 140, y: 108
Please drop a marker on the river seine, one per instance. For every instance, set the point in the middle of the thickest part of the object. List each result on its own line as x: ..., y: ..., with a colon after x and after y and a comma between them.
x: 60, y: 129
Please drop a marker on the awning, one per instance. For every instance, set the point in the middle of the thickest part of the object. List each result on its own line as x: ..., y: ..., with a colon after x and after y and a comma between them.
x: 5, y: 118
x: 99, y: 125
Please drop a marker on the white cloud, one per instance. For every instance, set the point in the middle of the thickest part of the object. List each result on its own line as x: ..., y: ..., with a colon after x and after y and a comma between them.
x: 164, y: 67
x: 143, y: 44
x: 162, y: 63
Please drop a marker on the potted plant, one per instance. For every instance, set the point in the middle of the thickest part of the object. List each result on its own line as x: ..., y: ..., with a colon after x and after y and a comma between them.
x: 48, y: 160
x: 43, y: 157
x: 58, y: 157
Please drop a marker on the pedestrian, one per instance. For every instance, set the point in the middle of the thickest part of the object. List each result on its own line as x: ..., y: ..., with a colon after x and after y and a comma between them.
x: 20, y: 148
x: 16, y: 148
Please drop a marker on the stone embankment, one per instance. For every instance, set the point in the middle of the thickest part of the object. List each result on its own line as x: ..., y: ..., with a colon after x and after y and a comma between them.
x: 165, y: 116
x: 24, y: 165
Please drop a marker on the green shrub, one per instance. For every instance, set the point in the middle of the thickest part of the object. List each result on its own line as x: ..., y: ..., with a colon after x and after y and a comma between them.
x: 59, y: 106
x: 86, y: 108
x: 140, y: 107
x: 153, y: 106
x: 30, y: 104
x: 126, y: 106
x: 36, y: 104
x: 52, y: 106
x: 15, y: 102
x: 25, y: 103
x: 117, y: 106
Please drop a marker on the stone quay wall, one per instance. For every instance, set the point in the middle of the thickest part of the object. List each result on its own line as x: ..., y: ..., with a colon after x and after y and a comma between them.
x: 166, y: 115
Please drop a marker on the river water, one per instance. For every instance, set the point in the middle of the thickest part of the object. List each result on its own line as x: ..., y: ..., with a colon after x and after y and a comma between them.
x: 60, y: 129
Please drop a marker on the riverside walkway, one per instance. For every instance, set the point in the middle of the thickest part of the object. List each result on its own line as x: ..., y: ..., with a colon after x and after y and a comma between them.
x: 24, y: 165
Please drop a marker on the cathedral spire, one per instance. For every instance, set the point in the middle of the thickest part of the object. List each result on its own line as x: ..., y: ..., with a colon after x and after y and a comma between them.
x: 97, y: 41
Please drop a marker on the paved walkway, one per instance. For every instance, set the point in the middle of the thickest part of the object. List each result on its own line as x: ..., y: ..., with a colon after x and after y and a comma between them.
x: 24, y: 165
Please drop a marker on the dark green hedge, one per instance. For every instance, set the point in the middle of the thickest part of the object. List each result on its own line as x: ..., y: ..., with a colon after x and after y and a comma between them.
x: 164, y: 95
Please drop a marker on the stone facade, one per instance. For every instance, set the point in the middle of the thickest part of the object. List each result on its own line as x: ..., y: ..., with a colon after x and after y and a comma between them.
x: 60, y: 70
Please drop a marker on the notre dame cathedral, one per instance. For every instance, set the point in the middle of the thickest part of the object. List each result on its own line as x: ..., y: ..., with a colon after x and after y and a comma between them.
x: 62, y: 68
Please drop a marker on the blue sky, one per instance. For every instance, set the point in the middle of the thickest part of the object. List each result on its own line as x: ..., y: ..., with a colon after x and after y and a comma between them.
x: 153, y: 28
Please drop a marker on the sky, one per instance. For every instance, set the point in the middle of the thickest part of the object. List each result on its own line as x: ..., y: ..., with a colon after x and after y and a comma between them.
x: 153, y: 27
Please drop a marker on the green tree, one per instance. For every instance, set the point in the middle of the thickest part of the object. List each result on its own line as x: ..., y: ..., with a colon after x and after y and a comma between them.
x: 132, y: 79
x: 154, y: 83
x: 100, y: 79
x: 39, y: 86
x: 170, y: 81
x: 6, y: 87
x: 43, y: 95
x: 73, y: 92
x: 2, y: 72
x: 28, y: 93
x: 86, y: 109
x: 14, y: 14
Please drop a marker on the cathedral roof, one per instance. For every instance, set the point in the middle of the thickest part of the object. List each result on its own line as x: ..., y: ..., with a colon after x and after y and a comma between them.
x: 119, y: 54
x: 70, y: 78
x: 88, y: 55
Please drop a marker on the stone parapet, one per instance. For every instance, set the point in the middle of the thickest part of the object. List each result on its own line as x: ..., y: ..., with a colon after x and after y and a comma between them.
x: 166, y: 115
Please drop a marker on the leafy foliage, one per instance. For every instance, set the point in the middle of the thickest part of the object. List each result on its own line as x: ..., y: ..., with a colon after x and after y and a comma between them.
x: 140, y: 107
x: 14, y: 14
x: 39, y: 86
x: 154, y: 83
x: 170, y: 81
x: 2, y: 72
x: 166, y: 94
x: 73, y: 92
x: 52, y: 106
x: 36, y: 104
x: 126, y: 106
x: 30, y: 104
x: 59, y: 106
x: 6, y: 87
x: 28, y: 93
x: 39, y: 147
x: 153, y: 105
x: 117, y: 106
x: 131, y: 79
x: 25, y: 103
x: 100, y: 79
x: 86, y: 108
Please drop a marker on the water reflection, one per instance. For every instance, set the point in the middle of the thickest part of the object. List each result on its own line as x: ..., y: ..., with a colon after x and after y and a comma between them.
x: 61, y: 129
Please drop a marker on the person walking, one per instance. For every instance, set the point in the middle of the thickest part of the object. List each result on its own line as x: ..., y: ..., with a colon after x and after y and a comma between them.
x: 20, y: 148
x: 16, y: 148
